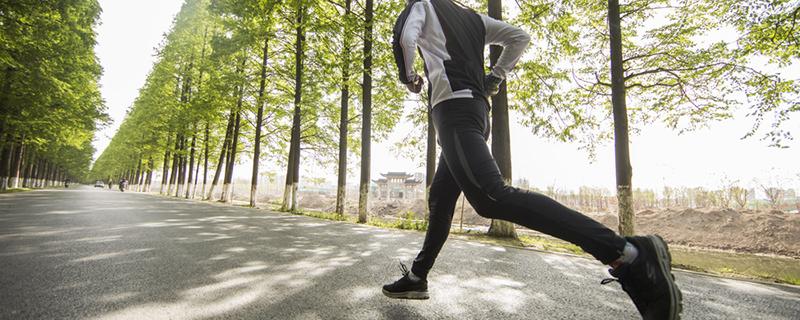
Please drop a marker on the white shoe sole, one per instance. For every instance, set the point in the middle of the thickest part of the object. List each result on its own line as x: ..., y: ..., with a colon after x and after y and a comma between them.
x: 415, y: 295
x: 664, y: 258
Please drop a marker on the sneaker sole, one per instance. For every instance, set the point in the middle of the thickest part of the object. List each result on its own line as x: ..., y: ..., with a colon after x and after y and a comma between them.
x: 414, y: 295
x: 665, y: 259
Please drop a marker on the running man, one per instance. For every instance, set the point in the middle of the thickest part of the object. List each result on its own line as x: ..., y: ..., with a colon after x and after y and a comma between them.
x: 451, y: 40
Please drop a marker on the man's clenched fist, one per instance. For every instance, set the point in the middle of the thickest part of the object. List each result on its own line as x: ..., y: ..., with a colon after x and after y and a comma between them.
x: 491, y: 85
x: 415, y: 85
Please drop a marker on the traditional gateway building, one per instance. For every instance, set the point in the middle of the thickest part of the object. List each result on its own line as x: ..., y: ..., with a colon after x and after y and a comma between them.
x: 400, y: 186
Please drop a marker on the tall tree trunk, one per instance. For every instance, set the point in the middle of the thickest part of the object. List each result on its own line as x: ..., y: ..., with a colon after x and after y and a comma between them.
x: 4, y: 145
x: 26, y: 182
x: 23, y: 168
x: 295, y: 177
x: 184, y: 167
x: 501, y: 138
x: 228, y: 186
x: 199, y: 86
x: 366, y: 125
x: 224, y: 192
x: 149, y: 181
x: 259, y: 121
x: 294, y: 164
x: 341, y: 185
x: 143, y: 176
x: 7, y: 164
x: 222, y: 155
x: 287, y: 191
x: 43, y: 174
x: 186, y: 91
x: 138, y: 175
x: 4, y: 93
x: 37, y: 173
x: 49, y: 176
x: 621, y: 145
x: 54, y: 175
x: 205, y: 161
x: 191, y: 163
x: 196, y: 177
x: 13, y: 165
x: 17, y: 164
x: 181, y: 169
x: 46, y: 174
x: 175, y: 163
x: 165, y: 171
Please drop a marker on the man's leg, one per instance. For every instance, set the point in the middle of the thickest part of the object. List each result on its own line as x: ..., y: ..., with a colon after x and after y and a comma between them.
x: 441, y: 202
x: 462, y: 125
x: 641, y: 264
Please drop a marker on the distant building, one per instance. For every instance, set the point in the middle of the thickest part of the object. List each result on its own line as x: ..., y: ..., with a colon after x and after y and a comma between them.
x: 399, y: 186
x: 522, y: 183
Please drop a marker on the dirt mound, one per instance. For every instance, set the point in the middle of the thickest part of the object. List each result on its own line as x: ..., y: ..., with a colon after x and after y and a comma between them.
x: 747, y: 231
x: 773, y: 232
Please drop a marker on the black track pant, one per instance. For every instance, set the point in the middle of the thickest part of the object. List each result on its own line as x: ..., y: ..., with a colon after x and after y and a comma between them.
x: 467, y: 165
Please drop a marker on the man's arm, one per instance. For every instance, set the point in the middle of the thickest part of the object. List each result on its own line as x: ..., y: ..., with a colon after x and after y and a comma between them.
x: 407, y: 30
x: 513, y: 40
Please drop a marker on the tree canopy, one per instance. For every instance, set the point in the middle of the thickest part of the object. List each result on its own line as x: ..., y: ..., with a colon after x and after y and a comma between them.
x: 50, y: 103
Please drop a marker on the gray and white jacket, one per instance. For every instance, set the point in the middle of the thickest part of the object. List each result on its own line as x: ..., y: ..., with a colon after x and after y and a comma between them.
x: 451, y: 40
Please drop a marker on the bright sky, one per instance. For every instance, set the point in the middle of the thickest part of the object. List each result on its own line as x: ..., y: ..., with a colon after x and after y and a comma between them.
x: 131, y: 30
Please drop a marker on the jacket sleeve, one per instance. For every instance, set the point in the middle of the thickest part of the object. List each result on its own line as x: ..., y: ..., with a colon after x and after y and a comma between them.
x: 513, y: 40
x: 407, y: 30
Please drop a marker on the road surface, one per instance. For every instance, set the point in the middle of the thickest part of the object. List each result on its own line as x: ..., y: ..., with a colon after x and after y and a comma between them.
x: 101, y: 254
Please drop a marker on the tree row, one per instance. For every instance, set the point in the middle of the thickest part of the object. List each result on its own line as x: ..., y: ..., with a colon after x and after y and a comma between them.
x: 50, y: 104
x: 292, y: 82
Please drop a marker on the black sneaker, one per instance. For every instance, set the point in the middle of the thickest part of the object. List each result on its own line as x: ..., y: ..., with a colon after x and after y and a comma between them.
x: 405, y: 288
x: 648, y: 280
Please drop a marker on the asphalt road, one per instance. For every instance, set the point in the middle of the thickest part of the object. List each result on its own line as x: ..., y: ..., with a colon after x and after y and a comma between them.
x: 100, y: 254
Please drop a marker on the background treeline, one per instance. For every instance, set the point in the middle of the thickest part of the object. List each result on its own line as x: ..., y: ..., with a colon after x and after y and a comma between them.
x: 312, y: 83
x: 282, y: 82
x: 50, y: 104
x: 593, y: 199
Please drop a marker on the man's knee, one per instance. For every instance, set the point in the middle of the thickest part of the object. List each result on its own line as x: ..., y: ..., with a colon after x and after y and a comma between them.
x: 484, y: 205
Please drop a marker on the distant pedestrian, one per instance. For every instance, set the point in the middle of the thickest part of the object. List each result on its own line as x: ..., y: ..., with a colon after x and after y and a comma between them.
x: 451, y: 40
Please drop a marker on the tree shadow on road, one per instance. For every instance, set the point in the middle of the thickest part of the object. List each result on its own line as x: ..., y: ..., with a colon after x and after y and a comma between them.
x: 131, y: 256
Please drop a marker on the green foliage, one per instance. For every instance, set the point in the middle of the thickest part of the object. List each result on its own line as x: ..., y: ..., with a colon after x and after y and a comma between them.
x: 671, y: 76
x: 739, y: 265
x: 171, y: 102
x: 15, y: 190
x: 768, y: 29
x: 408, y: 221
x: 199, y: 71
x: 49, y: 96
x: 679, y: 71
x: 333, y: 216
